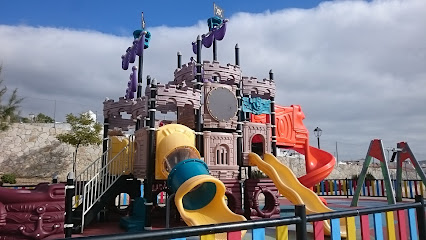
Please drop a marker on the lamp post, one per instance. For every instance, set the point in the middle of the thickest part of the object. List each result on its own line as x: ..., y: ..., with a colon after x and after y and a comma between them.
x: 318, y: 132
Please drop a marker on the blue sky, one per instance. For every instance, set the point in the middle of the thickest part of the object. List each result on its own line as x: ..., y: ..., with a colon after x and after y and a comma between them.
x: 119, y: 17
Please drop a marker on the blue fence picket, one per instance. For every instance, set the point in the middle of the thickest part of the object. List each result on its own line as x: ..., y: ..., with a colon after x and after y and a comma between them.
x: 378, y: 228
x: 335, y: 229
x: 412, y: 224
x: 410, y: 186
x: 335, y: 187
x: 377, y: 188
x: 363, y: 189
x: 258, y: 234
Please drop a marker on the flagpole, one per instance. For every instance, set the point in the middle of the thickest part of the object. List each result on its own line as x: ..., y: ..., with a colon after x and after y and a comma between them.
x: 214, y: 44
x: 140, y: 72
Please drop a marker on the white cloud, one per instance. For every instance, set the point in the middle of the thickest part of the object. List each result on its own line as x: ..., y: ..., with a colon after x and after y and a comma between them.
x: 357, y: 68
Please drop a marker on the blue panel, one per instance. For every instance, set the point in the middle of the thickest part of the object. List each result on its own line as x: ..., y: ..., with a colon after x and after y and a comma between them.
x: 363, y: 189
x: 378, y: 188
x: 258, y: 234
x: 335, y: 187
x: 141, y: 190
x: 412, y: 224
x: 124, y: 199
x: 410, y: 186
x: 322, y: 187
x: 350, y: 186
x: 378, y: 228
x: 335, y: 229
x: 178, y: 239
x: 256, y: 105
x: 213, y: 22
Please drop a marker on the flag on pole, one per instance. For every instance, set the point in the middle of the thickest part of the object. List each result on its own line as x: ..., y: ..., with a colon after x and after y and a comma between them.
x: 217, y: 11
x: 143, y: 22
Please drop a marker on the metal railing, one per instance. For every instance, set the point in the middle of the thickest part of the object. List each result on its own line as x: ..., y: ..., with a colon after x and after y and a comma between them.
x: 100, y: 175
x: 87, y: 174
x: 415, y: 214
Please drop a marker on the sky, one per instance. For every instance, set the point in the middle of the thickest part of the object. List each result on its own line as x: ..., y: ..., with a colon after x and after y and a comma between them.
x: 357, y: 68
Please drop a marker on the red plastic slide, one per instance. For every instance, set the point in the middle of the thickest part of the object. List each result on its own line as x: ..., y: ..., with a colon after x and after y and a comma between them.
x: 292, y: 134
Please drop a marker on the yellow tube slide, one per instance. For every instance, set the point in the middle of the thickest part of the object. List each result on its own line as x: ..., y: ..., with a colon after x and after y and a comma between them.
x: 288, y: 185
x: 216, y: 211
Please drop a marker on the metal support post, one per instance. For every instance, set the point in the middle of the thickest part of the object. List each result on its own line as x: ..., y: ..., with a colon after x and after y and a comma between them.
x: 69, y: 194
x: 420, y: 213
x: 301, y: 232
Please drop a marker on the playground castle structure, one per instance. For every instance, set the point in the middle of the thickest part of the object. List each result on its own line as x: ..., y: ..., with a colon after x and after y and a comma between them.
x: 231, y: 116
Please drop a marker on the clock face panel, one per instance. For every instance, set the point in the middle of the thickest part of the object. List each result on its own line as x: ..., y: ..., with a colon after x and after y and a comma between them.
x: 222, y: 104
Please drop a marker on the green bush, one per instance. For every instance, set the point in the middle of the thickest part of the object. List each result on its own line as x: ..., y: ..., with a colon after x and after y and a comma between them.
x: 256, y: 174
x: 368, y: 176
x: 9, y: 178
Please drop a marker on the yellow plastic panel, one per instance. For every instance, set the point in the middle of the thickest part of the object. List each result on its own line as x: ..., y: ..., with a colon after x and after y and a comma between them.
x: 120, y: 156
x: 290, y: 187
x: 216, y: 211
x: 171, y: 137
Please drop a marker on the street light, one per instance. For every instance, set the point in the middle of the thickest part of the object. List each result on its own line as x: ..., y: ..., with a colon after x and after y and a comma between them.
x: 317, y: 132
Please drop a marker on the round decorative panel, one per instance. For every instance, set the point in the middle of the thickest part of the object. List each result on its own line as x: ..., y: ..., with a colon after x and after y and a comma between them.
x: 222, y: 104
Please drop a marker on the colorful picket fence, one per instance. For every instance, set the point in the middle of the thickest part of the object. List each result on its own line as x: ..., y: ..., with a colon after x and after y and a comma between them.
x: 407, y: 221
x: 371, y: 188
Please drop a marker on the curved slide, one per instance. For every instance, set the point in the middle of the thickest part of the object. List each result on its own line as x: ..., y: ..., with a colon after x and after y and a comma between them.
x: 200, y: 198
x: 291, y: 133
x: 321, y: 164
x: 290, y: 187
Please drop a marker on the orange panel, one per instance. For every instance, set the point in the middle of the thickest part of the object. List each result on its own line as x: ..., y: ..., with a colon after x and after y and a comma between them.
x: 292, y: 133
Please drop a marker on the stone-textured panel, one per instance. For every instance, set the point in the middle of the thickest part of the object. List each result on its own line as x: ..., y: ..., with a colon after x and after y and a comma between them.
x: 32, y: 150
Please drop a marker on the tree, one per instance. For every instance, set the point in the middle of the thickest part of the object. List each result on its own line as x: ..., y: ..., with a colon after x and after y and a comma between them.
x: 41, y: 118
x: 84, y: 132
x: 8, y: 111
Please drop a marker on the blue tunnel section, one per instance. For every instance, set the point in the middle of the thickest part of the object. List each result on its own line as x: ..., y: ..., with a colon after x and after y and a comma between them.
x: 201, y: 195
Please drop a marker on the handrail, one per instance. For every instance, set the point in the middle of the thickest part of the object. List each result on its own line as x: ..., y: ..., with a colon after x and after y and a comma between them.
x: 87, y: 174
x: 91, y: 169
x: 361, y: 211
x: 181, y: 232
x: 105, y: 176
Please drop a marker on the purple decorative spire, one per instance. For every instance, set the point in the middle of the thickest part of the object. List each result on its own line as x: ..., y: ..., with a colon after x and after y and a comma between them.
x: 132, y: 54
x: 219, y: 34
x: 125, y: 61
x: 133, y: 79
x: 208, y: 40
x: 140, y: 44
